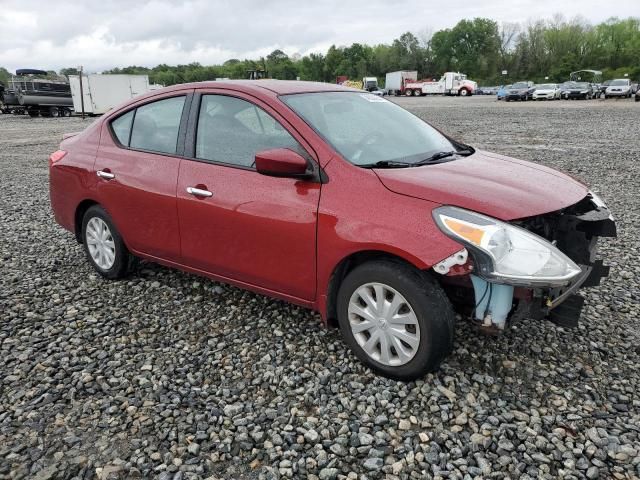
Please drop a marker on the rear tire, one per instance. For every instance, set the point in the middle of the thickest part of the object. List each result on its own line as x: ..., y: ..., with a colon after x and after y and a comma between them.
x: 103, y: 244
x: 431, y: 333
x: 408, y: 93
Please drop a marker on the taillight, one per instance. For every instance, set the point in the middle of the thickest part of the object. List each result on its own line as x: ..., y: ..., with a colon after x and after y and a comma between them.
x: 56, y: 156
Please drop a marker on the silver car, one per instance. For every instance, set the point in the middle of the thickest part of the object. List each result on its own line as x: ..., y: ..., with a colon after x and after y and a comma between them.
x: 620, y: 87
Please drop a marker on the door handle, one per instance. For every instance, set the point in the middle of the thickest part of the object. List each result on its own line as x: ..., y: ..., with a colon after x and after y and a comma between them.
x: 198, y: 192
x: 105, y: 175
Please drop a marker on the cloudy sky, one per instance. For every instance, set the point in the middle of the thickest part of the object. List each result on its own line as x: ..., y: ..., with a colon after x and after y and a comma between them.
x: 52, y: 34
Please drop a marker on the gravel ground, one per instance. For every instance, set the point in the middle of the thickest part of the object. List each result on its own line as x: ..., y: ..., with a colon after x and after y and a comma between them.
x: 171, y: 376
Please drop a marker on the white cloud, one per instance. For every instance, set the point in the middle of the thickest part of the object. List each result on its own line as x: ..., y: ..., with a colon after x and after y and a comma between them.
x: 110, y: 33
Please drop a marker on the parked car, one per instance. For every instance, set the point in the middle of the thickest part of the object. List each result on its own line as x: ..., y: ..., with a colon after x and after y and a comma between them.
x: 620, y: 87
x: 385, y: 226
x: 603, y: 87
x: 502, y: 92
x: 546, y: 91
x: 486, y: 90
x: 520, y: 91
x: 579, y: 91
x: 564, y: 87
x: 637, y: 95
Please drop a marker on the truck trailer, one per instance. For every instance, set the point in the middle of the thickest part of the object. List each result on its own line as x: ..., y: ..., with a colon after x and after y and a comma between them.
x: 103, y: 92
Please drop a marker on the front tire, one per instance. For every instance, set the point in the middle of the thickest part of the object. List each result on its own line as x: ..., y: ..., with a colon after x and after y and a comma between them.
x: 396, y: 319
x: 103, y: 245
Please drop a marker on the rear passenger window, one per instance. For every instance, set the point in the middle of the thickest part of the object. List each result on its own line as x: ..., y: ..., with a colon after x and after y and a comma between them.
x: 156, y: 125
x: 231, y: 130
x: 122, y: 127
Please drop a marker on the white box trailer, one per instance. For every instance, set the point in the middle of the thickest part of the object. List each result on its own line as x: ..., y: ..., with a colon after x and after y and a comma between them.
x: 394, y: 81
x: 103, y: 92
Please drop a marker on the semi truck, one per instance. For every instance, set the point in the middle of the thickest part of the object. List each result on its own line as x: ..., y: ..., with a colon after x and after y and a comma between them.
x: 407, y: 83
x: 103, y: 92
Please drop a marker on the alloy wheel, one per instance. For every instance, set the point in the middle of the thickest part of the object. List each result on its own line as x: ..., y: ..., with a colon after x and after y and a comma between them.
x: 384, y: 324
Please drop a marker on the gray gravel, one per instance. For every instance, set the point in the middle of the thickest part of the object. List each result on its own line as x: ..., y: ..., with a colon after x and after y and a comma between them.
x: 171, y: 376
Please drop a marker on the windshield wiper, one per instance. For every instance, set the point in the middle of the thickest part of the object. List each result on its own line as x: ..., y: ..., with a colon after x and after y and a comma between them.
x: 435, y: 158
x: 441, y: 155
x: 387, y: 164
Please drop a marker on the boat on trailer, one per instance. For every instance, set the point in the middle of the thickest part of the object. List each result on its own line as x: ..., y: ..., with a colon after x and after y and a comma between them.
x: 37, y: 96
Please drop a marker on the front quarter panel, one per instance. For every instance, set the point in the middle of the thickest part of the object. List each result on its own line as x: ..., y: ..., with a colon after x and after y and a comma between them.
x: 357, y: 213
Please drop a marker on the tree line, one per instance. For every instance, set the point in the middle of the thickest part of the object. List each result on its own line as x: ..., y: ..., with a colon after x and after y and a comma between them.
x: 480, y: 48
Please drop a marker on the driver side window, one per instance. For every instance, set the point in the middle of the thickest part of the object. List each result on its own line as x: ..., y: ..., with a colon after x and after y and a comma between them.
x: 231, y: 130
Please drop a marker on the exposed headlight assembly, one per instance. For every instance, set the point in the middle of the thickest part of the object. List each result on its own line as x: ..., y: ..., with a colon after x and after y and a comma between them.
x: 504, y: 253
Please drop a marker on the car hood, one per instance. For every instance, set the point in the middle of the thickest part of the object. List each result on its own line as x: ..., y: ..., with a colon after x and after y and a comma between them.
x: 544, y: 90
x: 496, y: 185
x: 518, y: 90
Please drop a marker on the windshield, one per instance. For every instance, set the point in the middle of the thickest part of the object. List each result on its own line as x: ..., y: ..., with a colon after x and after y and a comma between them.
x: 366, y: 129
x: 520, y: 85
x: 619, y: 83
x: 546, y: 86
x: 582, y: 85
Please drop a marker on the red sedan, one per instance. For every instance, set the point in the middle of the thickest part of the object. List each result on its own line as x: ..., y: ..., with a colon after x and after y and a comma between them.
x: 334, y: 199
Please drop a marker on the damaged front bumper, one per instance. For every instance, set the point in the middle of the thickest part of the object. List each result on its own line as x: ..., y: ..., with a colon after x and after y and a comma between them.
x: 575, y: 231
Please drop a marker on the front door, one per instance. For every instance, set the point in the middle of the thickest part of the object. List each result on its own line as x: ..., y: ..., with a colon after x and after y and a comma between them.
x: 235, y: 222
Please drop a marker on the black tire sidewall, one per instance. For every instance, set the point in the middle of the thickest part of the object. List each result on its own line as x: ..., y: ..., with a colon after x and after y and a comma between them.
x: 432, y: 308
x: 121, y: 263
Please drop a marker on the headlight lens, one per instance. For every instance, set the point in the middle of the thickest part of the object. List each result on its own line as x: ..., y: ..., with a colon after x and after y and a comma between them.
x: 505, y: 253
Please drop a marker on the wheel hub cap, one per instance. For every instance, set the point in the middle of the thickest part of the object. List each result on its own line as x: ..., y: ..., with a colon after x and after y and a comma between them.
x: 384, y: 324
x: 100, y: 243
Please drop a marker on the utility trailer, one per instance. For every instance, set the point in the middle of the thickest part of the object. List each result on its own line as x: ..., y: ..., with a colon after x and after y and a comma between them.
x: 103, y: 92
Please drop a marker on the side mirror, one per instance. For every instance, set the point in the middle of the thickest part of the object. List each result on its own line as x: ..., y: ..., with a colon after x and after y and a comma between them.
x: 282, y: 162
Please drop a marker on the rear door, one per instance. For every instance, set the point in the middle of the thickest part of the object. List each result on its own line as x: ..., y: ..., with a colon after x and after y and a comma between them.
x: 252, y: 228
x: 137, y: 165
